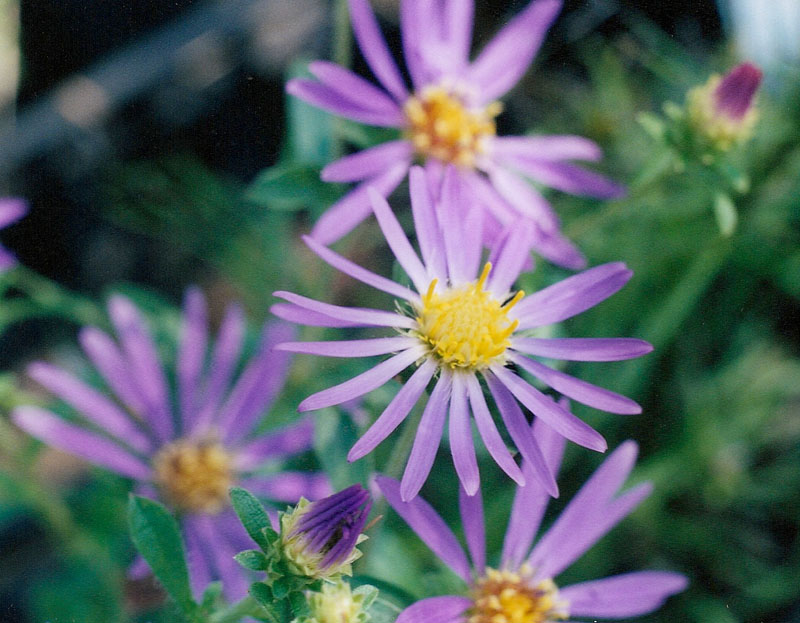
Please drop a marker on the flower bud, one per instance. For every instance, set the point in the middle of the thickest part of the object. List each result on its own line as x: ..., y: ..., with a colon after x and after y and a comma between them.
x: 337, y: 603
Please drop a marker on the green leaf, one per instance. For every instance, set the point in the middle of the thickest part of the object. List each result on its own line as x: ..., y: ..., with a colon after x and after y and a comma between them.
x: 292, y: 186
x: 252, y: 515
x: 726, y: 214
x: 156, y: 535
x: 252, y: 559
x: 276, y: 610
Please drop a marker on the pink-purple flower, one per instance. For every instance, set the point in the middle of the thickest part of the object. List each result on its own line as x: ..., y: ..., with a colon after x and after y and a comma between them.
x: 448, y: 117
x: 186, y: 447
x: 521, y: 587
x: 459, y: 324
x: 11, y: 210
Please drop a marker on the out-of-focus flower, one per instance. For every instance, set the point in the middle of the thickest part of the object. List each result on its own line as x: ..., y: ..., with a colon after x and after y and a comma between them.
x: 448, y: 118
x: 722, y: 110
x: 191, y: 457
x: 319, y: 538
x: 521, y: 588
x: 462, y: 323
x: 338, y: 603
x: 11, y: 210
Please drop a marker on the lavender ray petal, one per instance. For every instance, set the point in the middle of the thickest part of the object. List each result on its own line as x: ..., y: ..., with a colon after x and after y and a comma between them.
x: 461, y: 226
x: 12, y: 210
x: 622, y: 596
x: 91, y: 404
x: 412, y: 18
x: 395, y: 412
x: 355, y: 206
x: 510, y: 258
x: 197, y: 558
x: 359, y: 315
x: 234, y: 578
x: 443, y: 609
x: 374, y: 49
x: 583, y: 349
x: 362, y: 274
x: 322, y: 96
x: 398, y: 243
x: 426, y: 441
x: 293, y: 313
x: 364, y: 382
x: 491, y: 437
x: 568, y: 178
x: 458, y: 17
x: 191, y: 353
x: 353, y: 87
x: 430, y: 528
x: 140, y: 351
x: 471, y: 511
x: 572, y: 295
x: 426, y: 224
x: 488, y: 196
x: 368, y: 163
x: 461, y: 444
x: 550, y: 148
x: 564, y: 422
x: 289, y: 486
x: 579, y: 390
x: 55, y: 432
x: 558, y: 249
x: 272, y: 444
x: 507, y: 56
x: 523, y: 198
x: 351, y: 348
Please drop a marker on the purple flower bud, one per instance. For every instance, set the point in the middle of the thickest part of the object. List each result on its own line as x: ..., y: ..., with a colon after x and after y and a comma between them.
x: 733, y: 96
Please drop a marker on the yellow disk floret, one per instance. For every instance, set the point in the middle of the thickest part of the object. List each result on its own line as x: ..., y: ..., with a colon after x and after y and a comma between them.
x: 466, y: 327
x: 441, y: 126
x: 194, y: 475
x: 722, y: 131
x: 509, y: 597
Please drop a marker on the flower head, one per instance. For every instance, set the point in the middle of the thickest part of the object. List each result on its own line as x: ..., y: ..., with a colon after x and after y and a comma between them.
x: 336, y: 602
x: 319, y: 538
x: 463, y: 323
x: 189, y: 456
x: 11, y: 210
x: 722, y: 110
x: 448, y: 118
x: 521, y: 589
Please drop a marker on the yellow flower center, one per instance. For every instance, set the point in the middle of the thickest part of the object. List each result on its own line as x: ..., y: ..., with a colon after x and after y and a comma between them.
x: 466, y: 327
x: 194, y: 475
x: 507, y: 597
x: 441, y: 126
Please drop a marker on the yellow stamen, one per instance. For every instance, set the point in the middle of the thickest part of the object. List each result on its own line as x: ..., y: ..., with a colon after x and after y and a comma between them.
x: 194, y: 475
x: 441, y: 126
x: 508, y: 597
x: 466, y: 327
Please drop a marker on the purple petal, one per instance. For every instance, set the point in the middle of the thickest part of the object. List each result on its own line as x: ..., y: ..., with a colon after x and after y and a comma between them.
x: 426, y: 224
x: 355, y: 206
x: 583, y: 349
x: 358, y: 315
x: 353, y: 87
x: 395, y: 412
x: 568, y: 178
x: 364, y: 382
x: 488, y: 196
x: 398, y: 243
x: 191, y: 353
x: 293, y: 313
x: 461, y: 445
x: 461, y: 229
x: 426, y: 441
x: 374, y: 48
x: 140, y: 351
x: 553, y: 415
x: 471, y: 510
x: 235, y: 580
x: 351, y: 348
x: 430, y: 528
x: 509, y: 258
x: 572, y: 295
x: 289, y: 486
x: 357, y: 272
x: 197, y: 558
x: 92, y: 405
x: 414, y: 19
x: 12, y: 210
x: 524, y: 198
x: 368, y: 163
x: 458, y: 16
x: 551, y: 148
x: 622, y: 596
x: 57, y: 433
x: 322, y: 96
x: 444, y: 609
x: 507, y: 56
x: 279, y: 443
x: 557, y: 249
x: 488, y: 431
x: 577, y: 389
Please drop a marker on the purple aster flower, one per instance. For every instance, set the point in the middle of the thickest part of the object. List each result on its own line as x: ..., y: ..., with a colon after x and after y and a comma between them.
x: 448, y: 118
x: 521, y: 587
x: 11, y: 210
x: 319, y: 538
x: 462, y: 324
x: 190, y: 455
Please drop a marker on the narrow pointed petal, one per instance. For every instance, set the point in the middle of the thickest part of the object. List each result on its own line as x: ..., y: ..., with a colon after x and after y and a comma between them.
x: 471, y: 510
x: 458, y: 16
x: 461, y: 228
x: 275, y: 444
x: 361, y: 316
x: 569, y: 178
x: 583, y: 349
x: 524, y: 198
x: 322, y: 96
x: 357, y: 272
x: 364, y: 382
x: 558, y: 249
x: 351, y: 348
x: 430, y: 528
x: 289, y: 486
x: 374, y: 48
x: 622, y: 596
x: 351, y: 86
x: 55, y: 432
x: 445, y: 609
x: 12, y: 210
x: 414, y: 19
x: 578, y: 390
x: 461, y: 444
x: 426, y: 224
x: 234, y: 578
x: 509, y: 258
x: 507, y: 56
x: 551, y: 148
x: 197, y: 558
x: 426, y: 442
x: 395, y: 412
x: 368, y: 162
x: 299, y: 315
x: 191, y: 353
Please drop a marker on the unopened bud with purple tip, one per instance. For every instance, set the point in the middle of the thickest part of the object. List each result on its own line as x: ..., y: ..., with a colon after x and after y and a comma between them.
x: 319, y: 538
x: 723, y: 110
